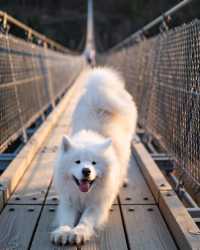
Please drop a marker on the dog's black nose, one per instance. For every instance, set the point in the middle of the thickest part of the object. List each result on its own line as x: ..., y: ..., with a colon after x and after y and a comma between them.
x: 86, y: 172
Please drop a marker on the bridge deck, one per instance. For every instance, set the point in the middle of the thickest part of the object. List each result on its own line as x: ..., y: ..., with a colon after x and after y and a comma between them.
x: 135, y: 220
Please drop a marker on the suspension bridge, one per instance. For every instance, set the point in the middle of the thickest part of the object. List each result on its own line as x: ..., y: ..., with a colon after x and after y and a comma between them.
x: 38, y: 93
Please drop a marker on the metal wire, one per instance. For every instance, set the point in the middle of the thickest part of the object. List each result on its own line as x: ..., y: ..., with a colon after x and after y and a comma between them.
x: 31, y: 78
x: 163, y: 75
x: 7, y: 21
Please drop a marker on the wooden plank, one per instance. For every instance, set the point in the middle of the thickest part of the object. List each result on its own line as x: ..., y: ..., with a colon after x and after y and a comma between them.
x: 17, y: 224
x: 181, y: 224
x: 1, y: 200
x: 154, y: 177
x: 52, y: 145
x: 61, y: 128
x: 33, y: 186
x: 10, y: 178
x: 137, y: 191
x: 52, y: 197
x: 146, y: 228
x: 112, y: 237
x: 41, y: 238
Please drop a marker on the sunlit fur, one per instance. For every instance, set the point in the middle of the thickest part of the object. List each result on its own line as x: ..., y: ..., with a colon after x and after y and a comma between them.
x: 102, y: 127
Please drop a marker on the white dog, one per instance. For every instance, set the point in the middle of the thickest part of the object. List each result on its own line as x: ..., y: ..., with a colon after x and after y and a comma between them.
x: 92, y: 162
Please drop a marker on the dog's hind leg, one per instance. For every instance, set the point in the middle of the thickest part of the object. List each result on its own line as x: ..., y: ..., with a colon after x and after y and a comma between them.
x: 66, y: 219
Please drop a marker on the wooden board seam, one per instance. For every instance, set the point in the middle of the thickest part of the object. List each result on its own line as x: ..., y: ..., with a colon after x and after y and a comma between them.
x: 124, y: 224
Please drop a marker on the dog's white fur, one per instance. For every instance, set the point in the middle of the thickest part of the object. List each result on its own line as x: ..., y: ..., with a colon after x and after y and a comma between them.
x: 103, y: 124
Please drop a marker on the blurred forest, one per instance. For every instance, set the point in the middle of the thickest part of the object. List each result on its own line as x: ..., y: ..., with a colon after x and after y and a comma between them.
x: 65, y: 20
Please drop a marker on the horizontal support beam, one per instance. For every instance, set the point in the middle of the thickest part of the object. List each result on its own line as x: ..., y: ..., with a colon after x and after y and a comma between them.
x: 194, y: 212
x: 182, y: 192
x: 7, y: 156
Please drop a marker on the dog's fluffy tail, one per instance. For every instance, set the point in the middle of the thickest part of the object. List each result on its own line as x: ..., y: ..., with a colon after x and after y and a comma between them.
x: 105, y: 91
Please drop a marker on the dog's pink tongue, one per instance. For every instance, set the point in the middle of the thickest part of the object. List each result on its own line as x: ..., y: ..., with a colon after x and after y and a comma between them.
x: 84, y: 186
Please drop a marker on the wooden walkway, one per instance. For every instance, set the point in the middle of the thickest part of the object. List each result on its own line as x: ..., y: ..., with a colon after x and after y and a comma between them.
x: 135, y: 219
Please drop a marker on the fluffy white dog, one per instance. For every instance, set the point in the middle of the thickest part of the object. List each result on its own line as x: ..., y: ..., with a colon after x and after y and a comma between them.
x: 92, y: 162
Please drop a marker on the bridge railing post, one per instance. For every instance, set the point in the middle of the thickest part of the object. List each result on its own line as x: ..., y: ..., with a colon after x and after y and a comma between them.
x: 48, y: 76
x: 36, y: 77
x: 19, y: 108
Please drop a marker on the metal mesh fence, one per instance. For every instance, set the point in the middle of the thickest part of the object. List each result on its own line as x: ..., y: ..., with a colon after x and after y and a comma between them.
x: 31, y: 78
x: 163, y: 75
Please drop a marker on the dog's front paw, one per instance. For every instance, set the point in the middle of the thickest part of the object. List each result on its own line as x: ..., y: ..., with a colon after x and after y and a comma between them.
x: 60, y: 235
x: 80, y: 234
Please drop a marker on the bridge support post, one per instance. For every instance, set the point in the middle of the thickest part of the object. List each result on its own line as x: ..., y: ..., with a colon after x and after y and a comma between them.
x: 48, y: 77
x: 24, y: 134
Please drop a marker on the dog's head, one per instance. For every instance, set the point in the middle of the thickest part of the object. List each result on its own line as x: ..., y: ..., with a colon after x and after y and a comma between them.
x: 85, y: 162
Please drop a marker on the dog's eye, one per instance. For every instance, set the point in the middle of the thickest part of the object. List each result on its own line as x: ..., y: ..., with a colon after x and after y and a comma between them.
x: 94, y: 163
x: 78, y: 162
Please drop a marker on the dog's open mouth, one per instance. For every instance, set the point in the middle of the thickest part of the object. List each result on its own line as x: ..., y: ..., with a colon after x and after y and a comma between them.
x: 84, y: 184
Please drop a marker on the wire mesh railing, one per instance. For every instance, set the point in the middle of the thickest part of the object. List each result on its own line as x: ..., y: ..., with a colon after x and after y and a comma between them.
x: 163, y: 75
x: 31, y: 78
x: 8, y: 22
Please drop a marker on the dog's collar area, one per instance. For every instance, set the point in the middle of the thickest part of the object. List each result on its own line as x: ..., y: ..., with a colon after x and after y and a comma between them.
x: 83, y: 184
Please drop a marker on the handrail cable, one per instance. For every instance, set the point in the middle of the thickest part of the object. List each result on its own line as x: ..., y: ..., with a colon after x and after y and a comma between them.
x: 150, y: 25
x: 6, y: 19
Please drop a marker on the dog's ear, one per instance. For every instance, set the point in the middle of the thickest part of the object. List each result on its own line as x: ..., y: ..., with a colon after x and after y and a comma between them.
x: 105, y: 145
x: 66, y: 143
